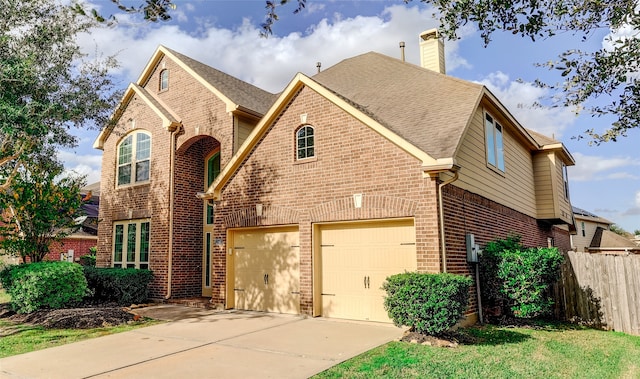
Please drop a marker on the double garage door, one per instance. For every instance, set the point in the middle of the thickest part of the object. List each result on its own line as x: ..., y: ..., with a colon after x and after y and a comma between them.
x: 351, y: 263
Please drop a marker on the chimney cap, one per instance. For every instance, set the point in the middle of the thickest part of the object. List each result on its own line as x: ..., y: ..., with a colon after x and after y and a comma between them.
x: 430, y: 34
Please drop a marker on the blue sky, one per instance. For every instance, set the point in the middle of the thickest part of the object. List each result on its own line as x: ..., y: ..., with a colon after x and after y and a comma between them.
x: 224, y: 35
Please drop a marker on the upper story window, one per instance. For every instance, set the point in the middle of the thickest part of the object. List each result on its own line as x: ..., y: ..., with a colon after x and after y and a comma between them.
x: 134, y: 157
x: 494, y: 144
x: 164, y: 80
x: 305, y: 142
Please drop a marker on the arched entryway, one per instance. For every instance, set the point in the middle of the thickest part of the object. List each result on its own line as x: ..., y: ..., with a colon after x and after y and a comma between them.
x: 196, y: 165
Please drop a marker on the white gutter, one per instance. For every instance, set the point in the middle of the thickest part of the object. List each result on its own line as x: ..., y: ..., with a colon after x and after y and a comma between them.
x: 442, y: 237
x: 172, y: 155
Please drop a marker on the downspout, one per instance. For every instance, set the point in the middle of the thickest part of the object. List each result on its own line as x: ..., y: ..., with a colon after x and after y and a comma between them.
x: 172, y: 155
x: 442, y: 239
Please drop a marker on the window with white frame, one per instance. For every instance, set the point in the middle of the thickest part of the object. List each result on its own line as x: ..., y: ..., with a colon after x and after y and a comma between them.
x: 164, y: 80
x: 134, y: 158
x: 305, y: 143
x: 131, y: 244
x: 494, y: 143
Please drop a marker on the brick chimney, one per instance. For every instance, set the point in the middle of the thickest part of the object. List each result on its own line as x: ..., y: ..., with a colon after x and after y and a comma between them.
x: 432, y: 51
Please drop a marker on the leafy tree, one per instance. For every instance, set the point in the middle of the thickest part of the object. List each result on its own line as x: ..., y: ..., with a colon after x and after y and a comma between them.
x: 636, y: 232
x: 46, y: 83
x: 610, y: 72
x: 40, y: 208
x: 617, y: 229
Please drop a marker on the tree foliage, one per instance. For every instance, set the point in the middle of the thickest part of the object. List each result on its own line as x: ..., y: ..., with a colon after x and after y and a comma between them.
x: 47, y: 85
x: 40, y: 208
x: 601, y: 82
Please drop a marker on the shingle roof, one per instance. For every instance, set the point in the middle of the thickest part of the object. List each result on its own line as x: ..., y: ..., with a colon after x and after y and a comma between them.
x: 238, y: 91
x: 608, y: 239
x: 541, y: 139
x: 428, y: 109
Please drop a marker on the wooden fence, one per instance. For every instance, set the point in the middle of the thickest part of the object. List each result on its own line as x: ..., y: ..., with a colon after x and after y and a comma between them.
x: 600, y: 290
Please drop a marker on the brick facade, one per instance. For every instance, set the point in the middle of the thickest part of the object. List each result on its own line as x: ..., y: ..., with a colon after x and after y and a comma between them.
x: 349, y: 158
x: 80, y: 247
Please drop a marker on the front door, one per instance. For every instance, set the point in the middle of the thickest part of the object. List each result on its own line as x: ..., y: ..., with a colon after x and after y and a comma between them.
x: 211, y: 171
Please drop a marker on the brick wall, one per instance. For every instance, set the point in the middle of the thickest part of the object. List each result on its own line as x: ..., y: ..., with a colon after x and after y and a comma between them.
x: 350, y: 158
x: 80, y: 247
x: 202, y: 115
x: 466, y: 212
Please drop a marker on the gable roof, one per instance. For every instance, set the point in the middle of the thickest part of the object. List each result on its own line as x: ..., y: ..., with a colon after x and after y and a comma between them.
x: 244, y: 95
x: 423, y: 112
x: 235, y: 93
x: 431, y: 113
x: 582, y: 214
x: 607, y: 239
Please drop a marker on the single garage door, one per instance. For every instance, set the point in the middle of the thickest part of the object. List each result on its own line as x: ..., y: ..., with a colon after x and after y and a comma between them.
x: 356, y: 259
x: 266, y: 269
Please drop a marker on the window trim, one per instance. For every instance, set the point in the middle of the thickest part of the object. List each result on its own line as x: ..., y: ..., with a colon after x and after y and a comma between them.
x: 565, y: 181
x: 163, y: 82
x: 133, y: 160
x: 307, y: 158
x: 208, y: 207
x: 125, y: 240
x: 496, y: 132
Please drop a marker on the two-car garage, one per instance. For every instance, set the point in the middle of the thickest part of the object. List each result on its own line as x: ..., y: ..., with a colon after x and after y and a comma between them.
x: 350, y: 262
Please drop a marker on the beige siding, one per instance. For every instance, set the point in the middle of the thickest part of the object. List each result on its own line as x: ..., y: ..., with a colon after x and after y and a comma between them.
x: 545, y: 188
x: 515, y: 187
x: 585, y: 234
x: 243, y: 128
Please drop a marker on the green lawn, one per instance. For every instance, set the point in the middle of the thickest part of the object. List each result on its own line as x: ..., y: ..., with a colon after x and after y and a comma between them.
x: 18, y: 339
x: 555, y: 352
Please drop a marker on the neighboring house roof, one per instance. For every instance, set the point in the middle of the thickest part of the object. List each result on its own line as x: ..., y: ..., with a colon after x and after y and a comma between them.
x: 582, y: 214
x: 607, y: 240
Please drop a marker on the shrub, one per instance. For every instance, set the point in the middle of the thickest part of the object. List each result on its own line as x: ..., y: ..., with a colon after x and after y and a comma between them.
x: 88, y: 260
x: 427, y: 303
x: 44, y: 285
x: 124, y: 286
x: 517, y: 279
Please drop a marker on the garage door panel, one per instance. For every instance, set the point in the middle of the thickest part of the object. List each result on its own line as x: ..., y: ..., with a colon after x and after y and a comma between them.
x: 356, y: 260
x: 267, y: 270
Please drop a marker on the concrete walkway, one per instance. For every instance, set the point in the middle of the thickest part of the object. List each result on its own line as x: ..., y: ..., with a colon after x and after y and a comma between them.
x: 201, y: 343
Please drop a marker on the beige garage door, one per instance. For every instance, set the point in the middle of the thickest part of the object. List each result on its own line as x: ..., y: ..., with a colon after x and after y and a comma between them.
x: 266, y: 269
x: 356, y: 259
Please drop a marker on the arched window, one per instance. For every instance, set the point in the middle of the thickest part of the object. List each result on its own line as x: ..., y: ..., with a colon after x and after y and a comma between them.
x: 164, y: 80
x: 134, y: 158
x: 305, y: 142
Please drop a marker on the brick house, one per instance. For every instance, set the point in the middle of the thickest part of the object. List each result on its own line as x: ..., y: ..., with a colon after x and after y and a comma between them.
x: 303, y: 202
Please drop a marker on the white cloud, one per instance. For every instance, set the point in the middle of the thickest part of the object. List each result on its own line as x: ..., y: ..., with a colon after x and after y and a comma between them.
x: 520, y: 98
x: 593, y: 167
x: 89, y: 164
x: 271, y: 62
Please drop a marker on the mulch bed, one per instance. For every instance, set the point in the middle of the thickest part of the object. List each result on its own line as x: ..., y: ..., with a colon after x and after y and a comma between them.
x: 449, y: 339
x: 85, y: 316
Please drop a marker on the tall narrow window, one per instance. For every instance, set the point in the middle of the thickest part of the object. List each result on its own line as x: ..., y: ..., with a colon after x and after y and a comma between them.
x: 213, y: 170
x: 305, y: 142
x: 584, y: 232
x: 164, y: 80
x: 494, y: 143
x: 134, y: 157
x: 131, y: 250
x: 565, y: 180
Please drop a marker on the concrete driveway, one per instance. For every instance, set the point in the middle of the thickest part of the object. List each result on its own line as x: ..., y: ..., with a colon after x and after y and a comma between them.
x: 207, y: 344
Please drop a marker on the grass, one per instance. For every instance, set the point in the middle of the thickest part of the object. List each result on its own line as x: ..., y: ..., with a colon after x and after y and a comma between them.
x: 21, y: 338
x: 556, y: 351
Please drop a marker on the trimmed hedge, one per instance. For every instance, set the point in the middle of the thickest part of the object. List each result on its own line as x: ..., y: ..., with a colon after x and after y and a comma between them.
x: 44, y: 285
x: 124, y: 286
x: 427, y: 303
x: 517, y: 278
